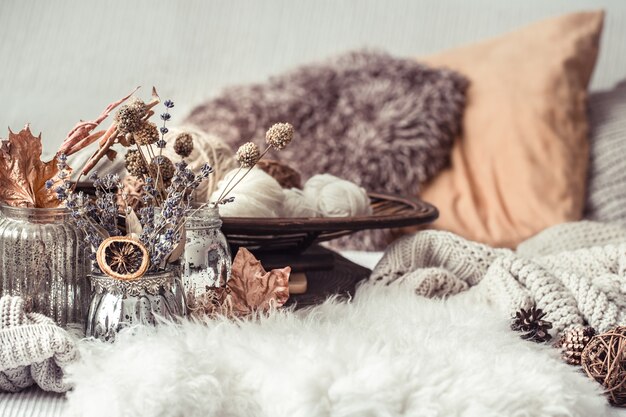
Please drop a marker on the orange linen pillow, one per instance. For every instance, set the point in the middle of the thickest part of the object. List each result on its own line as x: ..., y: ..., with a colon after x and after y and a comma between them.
x: 521, y: 161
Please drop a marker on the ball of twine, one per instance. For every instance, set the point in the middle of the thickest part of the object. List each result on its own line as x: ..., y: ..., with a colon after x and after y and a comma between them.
x: 207, y: 148
x: 286, y: 176
x: 604, y: 359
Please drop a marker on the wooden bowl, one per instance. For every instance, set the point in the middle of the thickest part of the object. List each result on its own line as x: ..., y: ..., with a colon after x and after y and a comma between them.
x: 297, y: 234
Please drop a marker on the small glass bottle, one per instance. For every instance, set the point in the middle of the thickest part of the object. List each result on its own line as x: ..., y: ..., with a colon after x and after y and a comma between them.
x: 206, y: 262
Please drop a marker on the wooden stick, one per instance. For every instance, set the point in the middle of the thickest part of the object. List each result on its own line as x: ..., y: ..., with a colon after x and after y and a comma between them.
x: 108, y: 139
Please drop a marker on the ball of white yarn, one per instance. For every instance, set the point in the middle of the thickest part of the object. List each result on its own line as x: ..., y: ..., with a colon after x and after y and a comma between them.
x: 335, y: 197
x: 296, y: 205
x: 257, y: 195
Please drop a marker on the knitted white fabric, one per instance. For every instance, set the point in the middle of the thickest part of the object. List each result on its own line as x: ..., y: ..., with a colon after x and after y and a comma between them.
x: 572, y: 236
x: 33, y: 349
x: 573, y: 287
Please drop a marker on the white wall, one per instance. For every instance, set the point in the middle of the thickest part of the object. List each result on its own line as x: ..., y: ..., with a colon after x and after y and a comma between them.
x: 64, y: 60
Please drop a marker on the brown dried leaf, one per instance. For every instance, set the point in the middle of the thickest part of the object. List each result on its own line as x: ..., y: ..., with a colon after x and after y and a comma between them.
x: 253, y: 289
x: 111, y: 155
x: 22, y: 173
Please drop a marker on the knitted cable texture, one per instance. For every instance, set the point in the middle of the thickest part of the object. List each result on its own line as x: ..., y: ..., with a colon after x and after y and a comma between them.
x: 33, y: 349
x: 572, y: 236
x: 575, y: 272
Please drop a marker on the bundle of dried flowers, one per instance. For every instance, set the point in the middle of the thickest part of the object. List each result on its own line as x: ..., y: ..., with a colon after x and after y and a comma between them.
x: 127, y: 243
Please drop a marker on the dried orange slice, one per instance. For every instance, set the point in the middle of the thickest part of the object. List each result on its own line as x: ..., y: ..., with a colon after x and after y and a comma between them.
x: 123, y: 257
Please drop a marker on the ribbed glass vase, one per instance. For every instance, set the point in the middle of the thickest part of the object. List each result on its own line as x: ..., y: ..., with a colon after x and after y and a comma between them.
x: 44, y: 260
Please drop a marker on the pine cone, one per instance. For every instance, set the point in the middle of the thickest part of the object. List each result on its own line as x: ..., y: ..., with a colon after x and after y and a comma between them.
x: 573, y: 342
x: 530, y: 323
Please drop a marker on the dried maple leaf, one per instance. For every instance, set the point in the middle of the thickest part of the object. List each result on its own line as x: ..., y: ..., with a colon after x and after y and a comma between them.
x: 252, y: 288
x: 22, y: 173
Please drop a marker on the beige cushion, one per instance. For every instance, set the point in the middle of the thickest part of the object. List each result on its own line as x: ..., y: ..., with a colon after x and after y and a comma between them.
x: 521, y: 161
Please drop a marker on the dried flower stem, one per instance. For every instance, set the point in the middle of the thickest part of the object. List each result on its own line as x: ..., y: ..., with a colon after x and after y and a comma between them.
x: 190, y: 215
x: 158, y: 180
x: 86, y: 142
x: 108, y: 139
x: 150, y: 152
x: 219, y: 198
x: 227, y: 190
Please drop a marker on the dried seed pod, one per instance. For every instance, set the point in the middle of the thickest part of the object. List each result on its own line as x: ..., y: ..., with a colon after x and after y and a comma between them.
x: 135, y: 164
x: 146, y: 134
x: 279, y: 135
x: 573, y: 343
x: 248, y: 155
x: 183, y: 145
x: 531, y: 324
x: 163, y: 166
x: 129, y: 116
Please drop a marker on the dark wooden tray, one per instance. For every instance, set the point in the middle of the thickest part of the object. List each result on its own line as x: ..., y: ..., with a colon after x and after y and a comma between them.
x: 297, y: 234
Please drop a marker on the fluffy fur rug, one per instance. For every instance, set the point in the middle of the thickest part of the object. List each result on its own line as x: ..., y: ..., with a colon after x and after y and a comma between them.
x: 386, y: 353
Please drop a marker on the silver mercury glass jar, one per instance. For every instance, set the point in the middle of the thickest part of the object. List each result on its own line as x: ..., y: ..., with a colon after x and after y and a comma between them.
x: 43, y: 259
x: 206, y: 262
x: 116, y: 304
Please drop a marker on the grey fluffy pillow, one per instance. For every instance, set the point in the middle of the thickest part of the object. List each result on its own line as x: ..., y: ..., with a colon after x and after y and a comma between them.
x: 606, y: 191
x: 387, y: 124
x: 384, y: 123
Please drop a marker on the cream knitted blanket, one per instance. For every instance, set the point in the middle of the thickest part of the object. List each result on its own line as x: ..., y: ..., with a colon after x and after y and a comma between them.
x: 33, y: 349
x: 575, y: 272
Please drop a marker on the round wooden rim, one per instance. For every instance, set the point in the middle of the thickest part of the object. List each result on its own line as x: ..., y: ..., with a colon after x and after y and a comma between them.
x: 409, y: 212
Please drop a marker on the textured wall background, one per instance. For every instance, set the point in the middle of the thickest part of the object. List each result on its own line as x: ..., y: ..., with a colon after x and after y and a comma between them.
x: 63, y: 60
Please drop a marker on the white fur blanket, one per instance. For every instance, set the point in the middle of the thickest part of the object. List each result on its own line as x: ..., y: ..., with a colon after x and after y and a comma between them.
x: 385, y: 353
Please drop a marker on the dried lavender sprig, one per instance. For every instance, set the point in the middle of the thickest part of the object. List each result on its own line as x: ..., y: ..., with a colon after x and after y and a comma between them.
x: 161, y: 143
x: 188, y: 181
x: 82, y: 212
x: 106, y: 202
x: 161, y: 236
